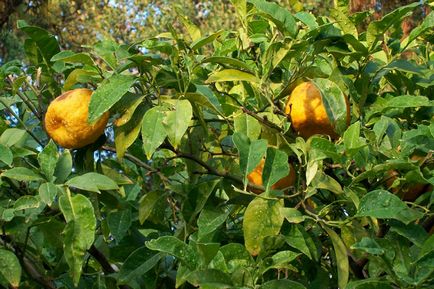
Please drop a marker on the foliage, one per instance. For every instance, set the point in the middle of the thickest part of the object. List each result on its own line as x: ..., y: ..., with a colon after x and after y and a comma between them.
x: 163, y: 200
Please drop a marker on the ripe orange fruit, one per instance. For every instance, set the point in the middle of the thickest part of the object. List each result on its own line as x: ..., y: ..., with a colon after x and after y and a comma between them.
x: 255, y: 178
x: 66, y: 120
x: 307, y: 111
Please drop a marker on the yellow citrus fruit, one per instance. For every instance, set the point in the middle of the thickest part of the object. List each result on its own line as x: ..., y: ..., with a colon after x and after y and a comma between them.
x: 255, y: 178
x: 307, y: 111
x: 66, y: 120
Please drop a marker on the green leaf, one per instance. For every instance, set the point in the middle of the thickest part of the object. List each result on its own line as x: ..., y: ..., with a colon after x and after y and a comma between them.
x: 177, y: 121
x: 210, y: 219
x: 6, y: 155
x: 292, y: 215
x: 376, y: 29
x: 352, y: 140
x: 341, y: 257
x: 262, y: 218
x: 175, y: 247
x: 198, y: 43
x: 137, y: 264
x: 119, y: 222
x: 415, y: 233
x: 344, y: 22
x: 69, y: 56
x: 92, y: 182
x: 108, y: 93
x: 147, y: 203
x: 251, y: 153
x: 369, y: 246
x: 63, y: 167
x: 299, y: 239
x: 46, y: 42
x: 47, y: 160
x: 48, y: 193
x: 370, y: 283
x: 426, y: 25
x: 334, y: 102
x: 126, y: 134
x: 276, y: 167
x: 282, y: 284
x: 191, y: 28
x: 405, y: 101
x: 384, y: 205
x: 79, y: 76
x: 79, y: 231
x: 279, y: 15
x: 321, y: 148
x: 10, y: 268
x: 26, y: 202
x: 12, y: 136
x: 323, y: 181
x: 231, y: 75
x: 227, y: 61
x: 153, y: 131
x: 210, y: 278
x: 21, y: 174
x: 280, y: 260
x: 247, y: 125
x: 308, y: 19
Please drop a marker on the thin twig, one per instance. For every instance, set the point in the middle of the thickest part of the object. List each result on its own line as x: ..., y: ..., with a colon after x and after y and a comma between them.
x: 138, y: 162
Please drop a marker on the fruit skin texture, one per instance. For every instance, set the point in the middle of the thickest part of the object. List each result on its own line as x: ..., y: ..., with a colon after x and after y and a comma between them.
x: 255, y: 178
x: 307, y: 111
x: 66, y: 120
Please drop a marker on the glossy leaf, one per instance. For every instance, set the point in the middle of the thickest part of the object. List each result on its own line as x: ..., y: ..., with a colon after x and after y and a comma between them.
x: 276, y: 167
x: 126, y: 134
x: 262, y: 218
x: 21, y: 174
x: 6, y: 155
x: 63, y: 167
x: 175, y: 247
x: 384, y: 205
x: 46, y: 42
x: 282, y: 284
x: 153, y: 131
x: 119, y: 222
x: 247, y: 125
x: 342, y: 263
x: 92, y: 182
x: 47, y: 159
x: 108, y: 93
x: 69, y: 56
x: 426, y: 25
x: 10, y: 268
x: 79, y: 231
x: 12, y: 136
x: 279, y: 15
x: 147, y: 203
x: 368, y: 245
x: 334, y: 102
x: 48, y: 193
x: 251, y: 152
x: 210, y: 219
x: 231, y: 75
x: 177, y: 121
x: 137, y: 264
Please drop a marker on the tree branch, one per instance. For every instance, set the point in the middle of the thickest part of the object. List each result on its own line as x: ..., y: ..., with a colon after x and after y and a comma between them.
x: 105, y: 264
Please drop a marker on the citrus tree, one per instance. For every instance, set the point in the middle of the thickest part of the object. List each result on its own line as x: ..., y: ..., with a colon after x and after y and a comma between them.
x: 292, y: 152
